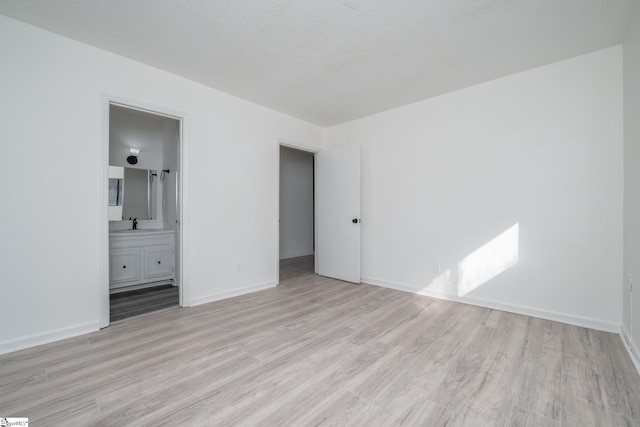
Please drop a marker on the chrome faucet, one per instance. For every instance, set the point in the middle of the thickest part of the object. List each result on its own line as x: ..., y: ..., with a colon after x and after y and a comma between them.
x: 134, y: 224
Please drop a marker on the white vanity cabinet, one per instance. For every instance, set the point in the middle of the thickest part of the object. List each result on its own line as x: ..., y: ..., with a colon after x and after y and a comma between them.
x: 125, y: 266
x: 140, y: 258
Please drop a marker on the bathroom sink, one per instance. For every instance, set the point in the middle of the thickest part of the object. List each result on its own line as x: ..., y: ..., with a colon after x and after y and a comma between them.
x: 137, y: 231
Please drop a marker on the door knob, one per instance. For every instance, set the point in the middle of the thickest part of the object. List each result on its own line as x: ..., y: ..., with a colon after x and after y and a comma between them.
x: 355, y: 220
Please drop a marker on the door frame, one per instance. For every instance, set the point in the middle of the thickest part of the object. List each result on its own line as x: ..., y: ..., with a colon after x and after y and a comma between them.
x: 182, y: 199
x: 300, y: 147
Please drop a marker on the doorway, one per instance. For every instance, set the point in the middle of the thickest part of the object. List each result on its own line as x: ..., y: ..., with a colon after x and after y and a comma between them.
x: 297, y: 214
x: 144, y: 163
x: 327, y: 183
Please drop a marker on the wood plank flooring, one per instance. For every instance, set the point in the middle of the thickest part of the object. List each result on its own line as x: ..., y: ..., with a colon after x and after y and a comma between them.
x: 317, y: 351
x: 299, y: 268
x: 142, y: 301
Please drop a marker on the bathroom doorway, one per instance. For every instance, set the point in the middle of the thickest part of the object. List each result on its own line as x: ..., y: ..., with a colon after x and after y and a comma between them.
x: 144, y: 192
x: 297, y: 217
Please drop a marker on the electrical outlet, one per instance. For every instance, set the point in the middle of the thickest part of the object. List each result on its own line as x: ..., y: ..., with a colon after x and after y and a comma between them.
x: 436, y: 268
x: 238, y: 267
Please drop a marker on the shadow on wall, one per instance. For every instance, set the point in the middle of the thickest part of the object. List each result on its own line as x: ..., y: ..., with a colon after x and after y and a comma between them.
x: 491, y: 259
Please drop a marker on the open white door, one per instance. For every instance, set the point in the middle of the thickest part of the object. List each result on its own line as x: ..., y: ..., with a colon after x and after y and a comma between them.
x: 338, y: 213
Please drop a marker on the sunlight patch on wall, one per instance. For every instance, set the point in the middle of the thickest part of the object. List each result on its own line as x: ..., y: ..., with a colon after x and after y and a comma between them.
x: 443, y: 283
x: 491, y: 259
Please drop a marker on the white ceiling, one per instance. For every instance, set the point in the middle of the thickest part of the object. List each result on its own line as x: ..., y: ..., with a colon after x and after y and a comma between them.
x: 331, y: 61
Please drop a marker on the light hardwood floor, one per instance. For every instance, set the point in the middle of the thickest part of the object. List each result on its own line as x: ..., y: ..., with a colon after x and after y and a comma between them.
x: 316, y: 351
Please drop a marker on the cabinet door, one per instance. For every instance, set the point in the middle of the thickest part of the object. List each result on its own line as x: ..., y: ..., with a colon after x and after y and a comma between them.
x: 158, y: 262
x: 125, y: 265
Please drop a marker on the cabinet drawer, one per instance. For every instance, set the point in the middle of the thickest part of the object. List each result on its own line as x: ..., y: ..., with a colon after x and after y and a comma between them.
x: 134, y: 241
x: 125, y: 265
x: 158, y: 262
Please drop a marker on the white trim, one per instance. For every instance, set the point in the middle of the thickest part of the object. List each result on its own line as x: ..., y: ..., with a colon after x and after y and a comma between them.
x: 103, y: 240
x: 233, y: 293
x: 103, y: 209
x: 632, y: 348
x: 297, y: 255
x: 277, y: 208
x: 183, y: 217
x: 297, y: 146
x: 133, y: 104
x: 48, y: 337
x: 586, y: 322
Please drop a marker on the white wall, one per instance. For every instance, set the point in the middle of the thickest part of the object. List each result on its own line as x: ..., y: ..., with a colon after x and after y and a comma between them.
x: 512, y: 187
x: 51, y: 113
x: 631, y: 301
x: 541, y: 150
x: 296, y: 203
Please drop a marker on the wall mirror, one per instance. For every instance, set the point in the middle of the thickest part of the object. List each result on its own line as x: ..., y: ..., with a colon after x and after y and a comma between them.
x: 133, y: 193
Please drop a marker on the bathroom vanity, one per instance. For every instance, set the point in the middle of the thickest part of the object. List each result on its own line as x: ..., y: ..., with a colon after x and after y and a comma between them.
x: 140, y: 259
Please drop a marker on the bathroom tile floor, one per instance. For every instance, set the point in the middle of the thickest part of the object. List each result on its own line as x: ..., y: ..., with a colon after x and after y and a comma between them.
x: 142, y: 301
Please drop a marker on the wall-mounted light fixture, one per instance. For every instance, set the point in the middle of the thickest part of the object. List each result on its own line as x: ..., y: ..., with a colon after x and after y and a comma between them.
x: 133, y: 156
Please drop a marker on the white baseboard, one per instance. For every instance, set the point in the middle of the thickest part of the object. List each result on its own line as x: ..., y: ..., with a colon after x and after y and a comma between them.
x: 586, y: 322
x: 631, y: 347
x: 85, y: 328
x: 232, y: 293
x: 297, y: 255
x: 48, y: 337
